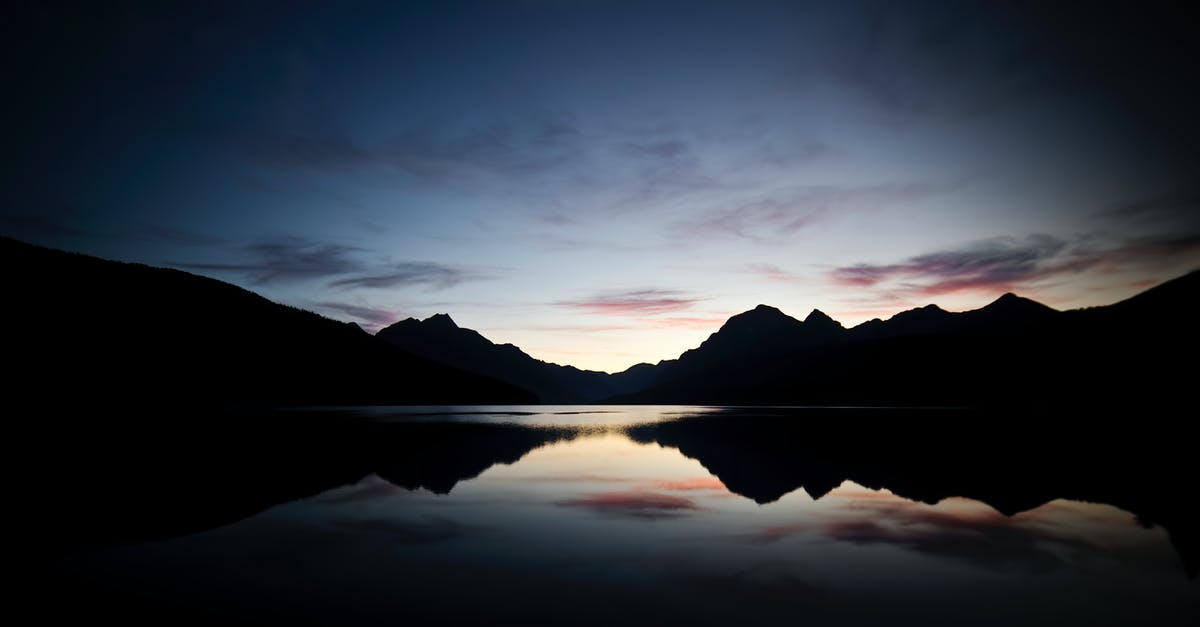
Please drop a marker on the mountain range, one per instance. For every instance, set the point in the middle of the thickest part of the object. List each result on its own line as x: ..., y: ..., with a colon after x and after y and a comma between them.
x: 1014, y: 351
x: 83, y: 330
x: 439, y: 339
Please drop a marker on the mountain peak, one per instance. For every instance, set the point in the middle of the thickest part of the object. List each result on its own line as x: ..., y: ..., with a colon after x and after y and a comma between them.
x: 819, y: 317
x: 1010, y: 302
x: 441, y: 320
x: 762, y: 319
x: 758, y: 315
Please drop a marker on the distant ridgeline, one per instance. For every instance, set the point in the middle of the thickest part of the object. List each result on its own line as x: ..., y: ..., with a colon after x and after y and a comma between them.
x: 87, y: 333
x: 80, y: 331
x: 1012, y: 353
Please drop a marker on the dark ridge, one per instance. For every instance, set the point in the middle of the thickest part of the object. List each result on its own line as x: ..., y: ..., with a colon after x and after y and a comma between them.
x: 147, y: 482
x: 85, y: 331
x: 1014, y: 353
x: 153, y: 335
x: 765, y: 454
x: 439, y: 339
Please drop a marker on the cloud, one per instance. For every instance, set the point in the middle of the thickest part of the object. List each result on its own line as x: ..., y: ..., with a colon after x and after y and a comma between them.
x: 979, y: 536
x: 1144, y: 250
x: 285, y: 260
x: 295, y: 259
x: 635, y: 504
x: 370, y: 315
x: 986, y: 539
x: 427, y: 273
x: 787, y: 211
x: 775, y: 533
x: 1180, y: 202
x: 633, y: 302
x: 770, y: 272
x: 989, y: 263
x: 1003, y: 263
x: 690, y: 485
x: 702, y: 323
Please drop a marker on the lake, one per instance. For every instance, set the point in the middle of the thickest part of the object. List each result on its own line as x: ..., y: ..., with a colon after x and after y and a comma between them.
x: 629, y: 515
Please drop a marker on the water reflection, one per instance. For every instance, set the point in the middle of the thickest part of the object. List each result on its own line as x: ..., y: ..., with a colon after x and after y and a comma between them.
x: 718, y: 517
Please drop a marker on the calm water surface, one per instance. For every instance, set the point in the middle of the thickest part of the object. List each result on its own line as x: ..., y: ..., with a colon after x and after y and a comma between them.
x: 631, y: 515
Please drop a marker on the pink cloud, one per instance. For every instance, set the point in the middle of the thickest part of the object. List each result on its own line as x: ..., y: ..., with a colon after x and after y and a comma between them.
x: 633, y: 303
x: 635, y: 503
x: 1008, y: 264
x: 692, y: 484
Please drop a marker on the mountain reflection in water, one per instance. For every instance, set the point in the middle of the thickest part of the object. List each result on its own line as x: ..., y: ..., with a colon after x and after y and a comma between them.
x: 549, y: 515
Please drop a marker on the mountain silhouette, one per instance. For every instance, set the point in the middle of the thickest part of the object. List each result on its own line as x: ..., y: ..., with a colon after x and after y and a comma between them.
x: 146, y: 482
x: 1012, y: 352
x: 439, y: 339
x: 437, y: 455
x: 82, y: 331
x: 1008, y: 311
x: 229, y: 470
x: 763, y: 454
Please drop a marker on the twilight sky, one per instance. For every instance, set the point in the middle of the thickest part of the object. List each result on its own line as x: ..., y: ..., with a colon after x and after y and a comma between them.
x: 605, y: 182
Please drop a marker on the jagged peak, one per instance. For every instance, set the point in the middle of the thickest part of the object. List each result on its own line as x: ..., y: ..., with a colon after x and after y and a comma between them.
x: 816, y: 316
x: 441, y: 319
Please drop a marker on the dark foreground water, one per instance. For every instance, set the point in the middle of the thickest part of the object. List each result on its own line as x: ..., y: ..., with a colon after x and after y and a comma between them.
x: 628, y: 515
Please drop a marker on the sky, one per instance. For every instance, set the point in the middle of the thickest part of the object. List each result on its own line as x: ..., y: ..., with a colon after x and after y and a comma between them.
x: 603, y: 183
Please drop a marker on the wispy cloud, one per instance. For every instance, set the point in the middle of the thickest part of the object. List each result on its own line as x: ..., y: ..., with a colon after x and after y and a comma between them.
x: 285, y: 260
x: 770, y: 272
x: 633, y: 302
x: 634, y: 504
x: 786, y: 211
x: 425, y: 273
x: 1173, y: 203
x: 985, y: 539
x: 298, y: 259
x: 703, y: 323
x: 693, y: 484
x: 998, y: 262
x: 1004, y: 263
x: 373, y: 317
